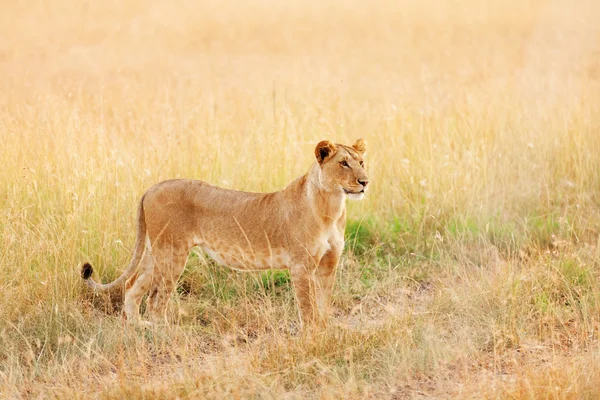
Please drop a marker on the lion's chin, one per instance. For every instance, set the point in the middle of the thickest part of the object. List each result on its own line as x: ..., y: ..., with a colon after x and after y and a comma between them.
x: 356, y: 196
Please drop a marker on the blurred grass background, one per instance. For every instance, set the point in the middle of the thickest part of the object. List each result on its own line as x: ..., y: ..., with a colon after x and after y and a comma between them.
x: 471, y: 268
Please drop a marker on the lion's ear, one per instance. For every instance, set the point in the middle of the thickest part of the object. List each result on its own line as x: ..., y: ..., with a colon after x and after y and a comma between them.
x: 323, y: 150
x: 360, y: 146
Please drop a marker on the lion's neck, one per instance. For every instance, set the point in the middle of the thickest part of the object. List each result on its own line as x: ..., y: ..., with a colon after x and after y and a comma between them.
x: 329, y: 206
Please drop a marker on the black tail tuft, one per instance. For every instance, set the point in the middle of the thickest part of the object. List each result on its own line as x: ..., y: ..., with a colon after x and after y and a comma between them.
x: 86, y: 270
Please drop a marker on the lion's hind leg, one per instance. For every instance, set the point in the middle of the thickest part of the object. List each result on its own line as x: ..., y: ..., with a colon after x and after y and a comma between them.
x: 137, y: 286
x: 170, y: 265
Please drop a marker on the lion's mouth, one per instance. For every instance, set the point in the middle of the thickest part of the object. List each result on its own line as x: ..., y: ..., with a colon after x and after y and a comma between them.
x: 351, y: 192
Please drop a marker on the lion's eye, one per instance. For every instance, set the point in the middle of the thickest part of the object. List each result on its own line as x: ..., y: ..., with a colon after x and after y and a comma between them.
x: 362, y: 164
x: 344, y: 164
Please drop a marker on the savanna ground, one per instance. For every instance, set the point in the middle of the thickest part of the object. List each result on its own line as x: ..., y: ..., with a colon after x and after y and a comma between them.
x: 471, y: 270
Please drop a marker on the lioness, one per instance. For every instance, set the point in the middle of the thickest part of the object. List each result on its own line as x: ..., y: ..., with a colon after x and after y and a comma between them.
x: 300, y: 227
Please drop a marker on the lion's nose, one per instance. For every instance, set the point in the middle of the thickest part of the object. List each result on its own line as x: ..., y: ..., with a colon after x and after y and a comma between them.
x: 363, y: 182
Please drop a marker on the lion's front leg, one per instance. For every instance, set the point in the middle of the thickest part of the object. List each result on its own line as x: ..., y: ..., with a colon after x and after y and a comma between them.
x: 324, y: 278
x: 313, y: 285
x: 304, y: 290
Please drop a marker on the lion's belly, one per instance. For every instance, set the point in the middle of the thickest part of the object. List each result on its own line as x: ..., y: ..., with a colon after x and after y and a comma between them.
x: 247, y: 260
x: 252, y: 256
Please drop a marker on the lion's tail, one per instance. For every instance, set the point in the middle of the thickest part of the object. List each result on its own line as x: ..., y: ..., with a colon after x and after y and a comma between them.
x: 138, y: 251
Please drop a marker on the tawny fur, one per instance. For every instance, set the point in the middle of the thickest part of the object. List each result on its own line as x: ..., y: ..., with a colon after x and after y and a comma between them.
x: 300, y: 228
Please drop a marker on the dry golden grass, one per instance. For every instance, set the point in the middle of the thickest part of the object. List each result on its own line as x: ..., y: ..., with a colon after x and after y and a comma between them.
x: 471, y: 269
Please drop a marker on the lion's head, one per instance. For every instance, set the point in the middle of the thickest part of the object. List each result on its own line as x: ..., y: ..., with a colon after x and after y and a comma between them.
x: 342, y: 168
